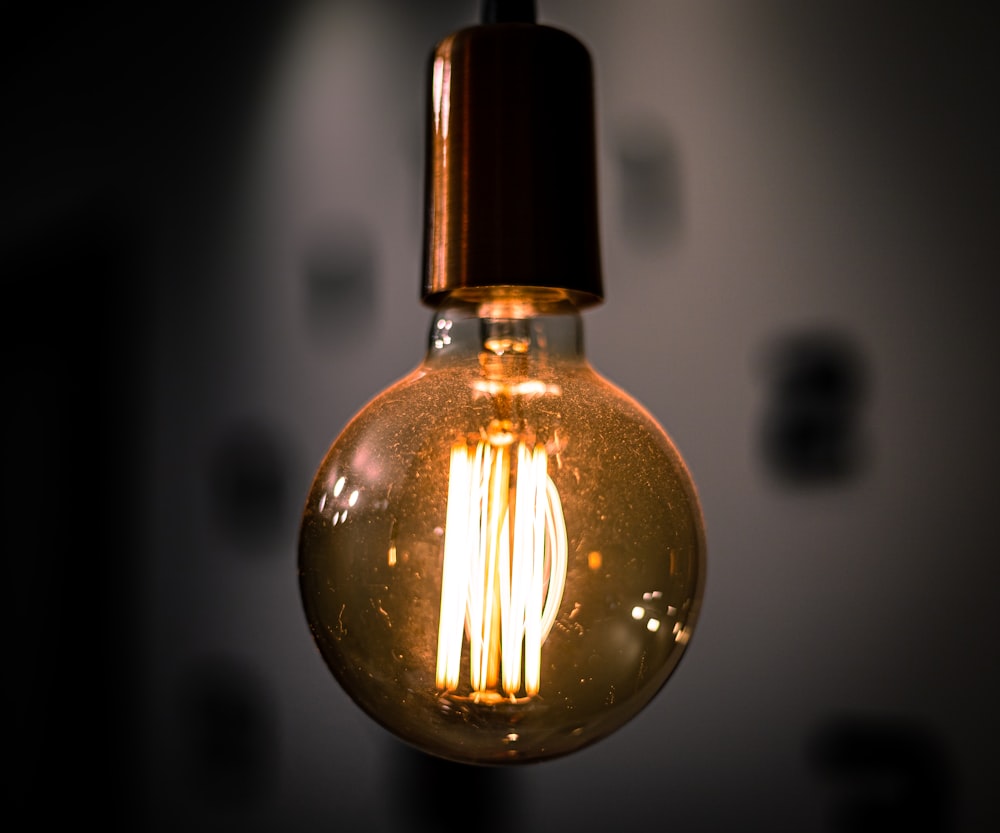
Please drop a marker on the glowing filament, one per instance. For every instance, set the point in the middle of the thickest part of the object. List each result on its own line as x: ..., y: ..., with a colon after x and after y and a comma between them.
x: 505, y: 557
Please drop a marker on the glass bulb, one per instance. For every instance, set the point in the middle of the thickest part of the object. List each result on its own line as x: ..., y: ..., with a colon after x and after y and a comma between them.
x: 502, y: 556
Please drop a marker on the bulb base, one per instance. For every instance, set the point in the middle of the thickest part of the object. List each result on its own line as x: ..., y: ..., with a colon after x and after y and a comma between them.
x: 511, y: 176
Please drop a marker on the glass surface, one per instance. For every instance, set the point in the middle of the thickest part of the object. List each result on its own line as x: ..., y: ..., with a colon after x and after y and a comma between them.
x: 502, y: 556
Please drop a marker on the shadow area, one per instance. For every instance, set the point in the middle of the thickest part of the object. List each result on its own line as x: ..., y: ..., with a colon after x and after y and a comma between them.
x: 432, y: 794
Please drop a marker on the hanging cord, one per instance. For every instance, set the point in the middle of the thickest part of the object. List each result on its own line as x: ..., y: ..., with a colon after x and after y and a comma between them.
x: 511, y: 11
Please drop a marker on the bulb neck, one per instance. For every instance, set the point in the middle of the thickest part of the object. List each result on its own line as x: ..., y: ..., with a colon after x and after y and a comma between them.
x: 507, y: 331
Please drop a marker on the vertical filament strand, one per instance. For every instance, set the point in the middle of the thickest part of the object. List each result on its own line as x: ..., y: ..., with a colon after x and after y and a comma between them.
x: 505, y: 561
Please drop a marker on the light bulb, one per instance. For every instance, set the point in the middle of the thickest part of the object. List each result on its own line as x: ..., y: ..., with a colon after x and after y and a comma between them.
x: 502, y: 556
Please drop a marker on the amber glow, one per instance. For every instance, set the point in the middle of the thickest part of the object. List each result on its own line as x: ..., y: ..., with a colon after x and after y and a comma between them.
x: 505, y: 559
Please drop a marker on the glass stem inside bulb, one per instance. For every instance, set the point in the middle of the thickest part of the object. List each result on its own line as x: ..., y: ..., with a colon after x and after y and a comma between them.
x: 505, y: 543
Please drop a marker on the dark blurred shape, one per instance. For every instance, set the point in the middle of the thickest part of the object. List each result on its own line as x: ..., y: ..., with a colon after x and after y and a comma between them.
x: 432, y: 794
x: 340, y: 284
x: 229, y: 733
x: 811, y: 432
x: 250, y: 489
x: 650, y: 185
x: 889, y: 775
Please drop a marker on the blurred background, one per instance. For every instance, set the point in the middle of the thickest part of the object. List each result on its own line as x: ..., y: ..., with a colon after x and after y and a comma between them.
x: 211, y: 246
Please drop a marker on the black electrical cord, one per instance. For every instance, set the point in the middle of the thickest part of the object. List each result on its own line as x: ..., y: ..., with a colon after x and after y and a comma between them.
x: 511, y: 11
